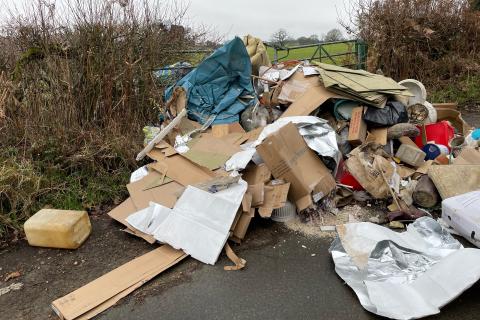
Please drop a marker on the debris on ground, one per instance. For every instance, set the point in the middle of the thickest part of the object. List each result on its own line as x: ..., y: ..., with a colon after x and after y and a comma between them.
x: 324, y: 149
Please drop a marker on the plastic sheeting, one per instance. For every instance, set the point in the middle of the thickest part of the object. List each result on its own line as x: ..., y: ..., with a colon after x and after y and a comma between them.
x: 199, y: 223
x: 215, y: 87
x: 406, y: 275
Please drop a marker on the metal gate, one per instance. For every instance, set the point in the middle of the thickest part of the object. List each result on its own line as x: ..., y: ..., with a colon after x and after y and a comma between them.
x: 346, y: 53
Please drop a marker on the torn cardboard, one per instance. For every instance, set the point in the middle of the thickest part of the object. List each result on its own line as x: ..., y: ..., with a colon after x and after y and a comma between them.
x: 182, y: 170
x: 296, y: 86
x: 104, y: 292
x: 122, y: 212
x: 210, y: 152
x: 305, y: 104
x: 275, y: 198
x: 165, y: 195
x: 454, y: 180
x: 378, y: 135
x: 366, y: 168
x: 254, y: 174
x: 290, y: 159
x: 258, y: 193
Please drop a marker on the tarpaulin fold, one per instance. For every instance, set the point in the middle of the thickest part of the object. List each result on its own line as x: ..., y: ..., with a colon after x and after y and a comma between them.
x: 220, y: 86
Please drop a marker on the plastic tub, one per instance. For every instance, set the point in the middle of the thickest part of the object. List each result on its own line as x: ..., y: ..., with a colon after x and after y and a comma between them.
x: 439, y: 133
x: 343, y: 109
x: 417, y: 89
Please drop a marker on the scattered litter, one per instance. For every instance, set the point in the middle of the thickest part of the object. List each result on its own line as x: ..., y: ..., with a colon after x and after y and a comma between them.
x: 384, y: 267
x: 11, y: 287
x: 12, y: 275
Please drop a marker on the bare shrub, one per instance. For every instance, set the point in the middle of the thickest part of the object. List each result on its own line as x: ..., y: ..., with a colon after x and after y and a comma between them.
x: 432, y: 40
x: 76, y: 87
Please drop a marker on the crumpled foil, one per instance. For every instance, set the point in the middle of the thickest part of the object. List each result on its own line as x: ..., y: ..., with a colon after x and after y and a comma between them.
x: 406, y: 275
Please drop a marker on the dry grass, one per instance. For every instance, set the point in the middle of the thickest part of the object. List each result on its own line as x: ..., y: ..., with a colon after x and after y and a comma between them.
x: 76, y: 88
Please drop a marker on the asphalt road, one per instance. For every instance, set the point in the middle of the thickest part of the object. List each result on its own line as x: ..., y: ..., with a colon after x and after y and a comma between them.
x: 293, y: 278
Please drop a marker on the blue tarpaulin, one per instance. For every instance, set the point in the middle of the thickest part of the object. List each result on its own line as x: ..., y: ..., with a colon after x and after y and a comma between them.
x: 214, y: 87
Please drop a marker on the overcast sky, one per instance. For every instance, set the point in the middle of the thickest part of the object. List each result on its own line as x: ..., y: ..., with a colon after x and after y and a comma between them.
x: 257, y: 17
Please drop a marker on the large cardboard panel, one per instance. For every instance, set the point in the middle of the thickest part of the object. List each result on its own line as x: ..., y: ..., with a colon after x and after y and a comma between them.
x: 165, y: 195
x: 454, y: 180
x: 182, y: 170
x: 468, y: 156
x: 288, y: 157
x: 308, y: 102
x: 122, y: 212
x: 296, y: 86
x: 99, y: 294
x: 210, y: 152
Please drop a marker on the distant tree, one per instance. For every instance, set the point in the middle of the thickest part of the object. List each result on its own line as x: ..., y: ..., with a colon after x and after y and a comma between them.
x: 280, y: 37
x: 303, y: 41
x: 308, y: 40
x: 314, y: 38
x: 333, y: 35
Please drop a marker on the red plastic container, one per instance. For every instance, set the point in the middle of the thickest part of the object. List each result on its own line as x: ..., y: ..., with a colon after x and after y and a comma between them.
x: 440, y: 133
x: 344, y: 177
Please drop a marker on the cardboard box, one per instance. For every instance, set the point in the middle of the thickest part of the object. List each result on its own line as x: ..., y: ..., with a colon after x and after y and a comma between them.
x: 258, y: 193
x: 357, y: 133
x: 288, y: 157
x: 106, y: 291
x: 221, y: 130
x: 378, y: 135
x: 254, y: 174
x: 275, y: 197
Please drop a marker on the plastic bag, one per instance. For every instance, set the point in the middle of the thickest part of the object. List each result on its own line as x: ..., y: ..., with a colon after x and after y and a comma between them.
x: 393, y: 113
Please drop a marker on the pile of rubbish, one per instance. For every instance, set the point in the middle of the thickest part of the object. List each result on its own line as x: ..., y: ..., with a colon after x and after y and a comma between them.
x: 243, y: 138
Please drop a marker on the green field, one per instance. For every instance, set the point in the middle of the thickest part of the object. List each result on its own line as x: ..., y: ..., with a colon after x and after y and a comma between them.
x: 307, y: 53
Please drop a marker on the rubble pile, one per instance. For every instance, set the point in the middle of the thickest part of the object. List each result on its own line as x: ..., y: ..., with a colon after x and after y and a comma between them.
x: 243, y: 138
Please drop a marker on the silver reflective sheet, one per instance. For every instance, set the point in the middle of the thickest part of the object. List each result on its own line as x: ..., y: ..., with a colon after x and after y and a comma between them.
x: 406, y: 275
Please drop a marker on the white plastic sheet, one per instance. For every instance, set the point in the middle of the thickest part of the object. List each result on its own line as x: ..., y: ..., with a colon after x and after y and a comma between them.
x: 406, y: 275
x: 199, y: 223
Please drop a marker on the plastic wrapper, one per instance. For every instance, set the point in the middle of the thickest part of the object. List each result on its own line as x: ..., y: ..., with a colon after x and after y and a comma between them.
x: 406, y: 275
x: 393, y: 113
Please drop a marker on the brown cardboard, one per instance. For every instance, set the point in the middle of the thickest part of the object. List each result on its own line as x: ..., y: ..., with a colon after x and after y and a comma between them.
x: 98, y: 295
x: 296, y: 86
x: 453, y: 180
x: 378, y: 135
x: 221, y: 130
x: 166, y: 148
x: 242, y: 225
x: 122, y: 212
x: 165, y: 195
x: 408, y: 141
x: 357, y: 133
x: 275, y: 197
x: 210, y: 152
x: 468, y: 156
x: 288, y: 157
x: 258, y: 193
x: 367, y: 173
x: 254, y: 174
x: 455, y: 118
x: 312, y: 98
x: 247, y: 202
x: 182, y: 170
